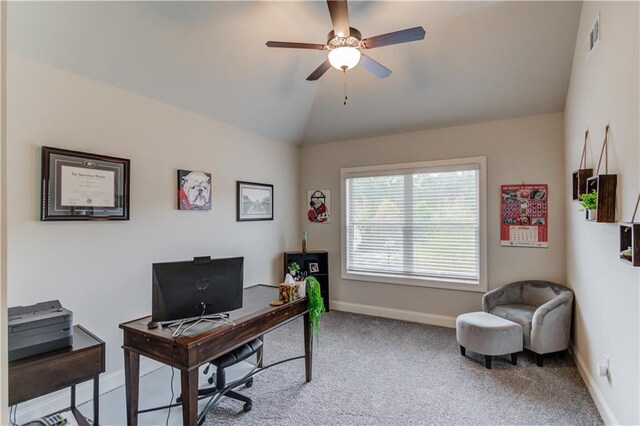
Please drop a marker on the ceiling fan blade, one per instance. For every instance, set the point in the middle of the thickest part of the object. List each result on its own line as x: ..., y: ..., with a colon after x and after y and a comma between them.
x: 339, y: 12
x: 294, y: 45
x: 319, y: 71
x: 396, y: 37
x: 374, y: 67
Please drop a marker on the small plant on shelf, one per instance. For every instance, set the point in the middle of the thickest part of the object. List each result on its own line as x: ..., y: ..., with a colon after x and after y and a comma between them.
x: 294, y: 270
x: 589, y: 202
x: 315, y: 303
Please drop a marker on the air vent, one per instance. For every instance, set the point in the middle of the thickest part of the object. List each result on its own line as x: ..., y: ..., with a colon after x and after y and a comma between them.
x: 594, y: 34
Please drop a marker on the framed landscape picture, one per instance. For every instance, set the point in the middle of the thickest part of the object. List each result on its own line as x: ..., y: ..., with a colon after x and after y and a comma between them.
x: 82, y: 186
x: 255, y: 201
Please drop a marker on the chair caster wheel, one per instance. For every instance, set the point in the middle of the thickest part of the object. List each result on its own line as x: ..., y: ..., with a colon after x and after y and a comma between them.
x: 247, y: 407
x: 249, y: 383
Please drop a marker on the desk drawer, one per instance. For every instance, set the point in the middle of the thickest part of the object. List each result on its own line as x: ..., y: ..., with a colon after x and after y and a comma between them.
x: 155, y: 348
x: 50, y: 374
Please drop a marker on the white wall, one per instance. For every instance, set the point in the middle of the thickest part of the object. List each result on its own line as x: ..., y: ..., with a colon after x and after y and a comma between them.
x: 102, y: 270
x: 528, y: 149
x: 604, y: 89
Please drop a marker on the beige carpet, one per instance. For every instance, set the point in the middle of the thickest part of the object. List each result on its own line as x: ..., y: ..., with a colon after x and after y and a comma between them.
x: 376, y: 371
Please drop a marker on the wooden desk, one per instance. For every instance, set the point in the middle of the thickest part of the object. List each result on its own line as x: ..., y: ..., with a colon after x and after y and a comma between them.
x: 193, y: 349
x: 41, y: 374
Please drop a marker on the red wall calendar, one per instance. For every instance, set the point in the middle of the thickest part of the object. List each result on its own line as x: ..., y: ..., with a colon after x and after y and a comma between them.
x: 524, y: 215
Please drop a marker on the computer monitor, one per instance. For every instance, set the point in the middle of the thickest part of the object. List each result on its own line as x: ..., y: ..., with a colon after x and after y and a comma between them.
x: 189, y: 289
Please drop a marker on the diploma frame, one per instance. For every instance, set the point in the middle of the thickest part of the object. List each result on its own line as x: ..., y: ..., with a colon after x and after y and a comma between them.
x: 116, y: 169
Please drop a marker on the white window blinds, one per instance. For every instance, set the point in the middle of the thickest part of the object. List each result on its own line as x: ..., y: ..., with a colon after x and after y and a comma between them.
x: 421, y: 223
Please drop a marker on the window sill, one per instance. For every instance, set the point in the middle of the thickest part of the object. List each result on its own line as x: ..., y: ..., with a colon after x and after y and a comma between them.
x: 446, y: 284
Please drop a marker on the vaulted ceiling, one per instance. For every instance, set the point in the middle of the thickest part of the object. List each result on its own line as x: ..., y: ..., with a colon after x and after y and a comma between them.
x: 480, y: 61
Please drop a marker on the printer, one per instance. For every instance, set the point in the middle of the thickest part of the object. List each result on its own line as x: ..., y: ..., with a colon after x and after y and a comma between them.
x: 39, y: 328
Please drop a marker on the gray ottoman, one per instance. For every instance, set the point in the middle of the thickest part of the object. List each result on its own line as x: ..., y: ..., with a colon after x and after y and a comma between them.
x: 489, y: 335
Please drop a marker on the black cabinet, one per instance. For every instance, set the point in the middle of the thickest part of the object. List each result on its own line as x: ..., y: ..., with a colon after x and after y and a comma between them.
x: 315, y: 263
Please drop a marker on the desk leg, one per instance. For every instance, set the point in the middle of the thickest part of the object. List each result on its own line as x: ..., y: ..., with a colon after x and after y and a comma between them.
x: 132, y: 384
x: 308, y: 348
x: 261, y: 352
x: 189, y: 381
x: 73, y: 396
x: 96, y: 400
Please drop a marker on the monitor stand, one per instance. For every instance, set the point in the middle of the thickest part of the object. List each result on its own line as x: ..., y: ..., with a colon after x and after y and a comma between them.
x: 214, y: 318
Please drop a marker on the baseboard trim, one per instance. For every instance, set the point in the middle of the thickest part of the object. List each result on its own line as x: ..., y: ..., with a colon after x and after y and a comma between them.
x: 400, y: 314
x: 56, y: 401
x: 601, y: 403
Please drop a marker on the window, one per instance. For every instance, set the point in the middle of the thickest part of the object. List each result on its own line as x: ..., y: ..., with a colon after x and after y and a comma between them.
x: 417, y: 224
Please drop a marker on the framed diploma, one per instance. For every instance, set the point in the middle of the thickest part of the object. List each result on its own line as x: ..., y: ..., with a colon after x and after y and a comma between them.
x: 82, y: 186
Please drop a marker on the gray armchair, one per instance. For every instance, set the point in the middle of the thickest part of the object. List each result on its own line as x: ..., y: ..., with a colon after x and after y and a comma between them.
x: 542, y: 308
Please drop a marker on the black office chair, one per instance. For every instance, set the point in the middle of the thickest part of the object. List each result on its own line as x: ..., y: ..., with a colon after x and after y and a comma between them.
x: 237, y: 355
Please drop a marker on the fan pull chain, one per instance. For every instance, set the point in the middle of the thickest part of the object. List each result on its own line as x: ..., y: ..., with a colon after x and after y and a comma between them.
x: 344, y: 71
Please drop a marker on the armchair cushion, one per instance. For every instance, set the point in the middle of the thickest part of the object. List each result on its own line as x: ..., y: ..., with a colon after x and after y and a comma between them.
x: 518, y: 313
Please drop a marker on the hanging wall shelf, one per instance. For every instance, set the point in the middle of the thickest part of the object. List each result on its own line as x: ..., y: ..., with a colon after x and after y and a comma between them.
x: 605, y: 185
x: 630, y: 240
x: 580, y: 176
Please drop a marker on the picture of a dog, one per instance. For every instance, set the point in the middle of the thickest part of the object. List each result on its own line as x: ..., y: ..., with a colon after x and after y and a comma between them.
x: 195, y: 191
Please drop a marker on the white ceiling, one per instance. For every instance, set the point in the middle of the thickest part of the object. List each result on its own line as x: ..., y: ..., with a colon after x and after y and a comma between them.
x: 480, y: 60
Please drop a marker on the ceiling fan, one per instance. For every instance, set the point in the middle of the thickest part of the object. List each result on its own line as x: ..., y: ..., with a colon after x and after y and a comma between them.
x: 345, y: 43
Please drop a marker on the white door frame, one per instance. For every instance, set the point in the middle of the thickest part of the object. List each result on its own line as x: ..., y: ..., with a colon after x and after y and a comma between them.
x: 4, y: 367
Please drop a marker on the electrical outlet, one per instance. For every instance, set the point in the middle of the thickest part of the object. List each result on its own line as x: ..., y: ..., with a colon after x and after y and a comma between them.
x: 603, y: 367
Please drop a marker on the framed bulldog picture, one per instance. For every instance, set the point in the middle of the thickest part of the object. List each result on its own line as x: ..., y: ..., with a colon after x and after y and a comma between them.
x: 82, y: 186
x: 194, y: 190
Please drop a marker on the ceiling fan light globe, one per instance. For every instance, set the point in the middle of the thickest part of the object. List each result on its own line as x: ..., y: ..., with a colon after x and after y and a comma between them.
x: 344, y: 58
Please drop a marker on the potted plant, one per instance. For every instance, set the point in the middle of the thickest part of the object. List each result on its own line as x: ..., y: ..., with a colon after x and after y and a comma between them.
x: 294, y: 269
x: 315, y: 303
x: 589, y: 202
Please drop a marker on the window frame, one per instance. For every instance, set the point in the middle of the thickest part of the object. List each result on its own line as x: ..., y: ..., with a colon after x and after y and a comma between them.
x: 422, y: 166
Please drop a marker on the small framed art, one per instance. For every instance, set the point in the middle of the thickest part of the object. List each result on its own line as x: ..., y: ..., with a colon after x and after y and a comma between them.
x: 82, y: 186
x: 194, y: 190
x: 255, y: 201
x: 318, y: 203
x: 313, y: 267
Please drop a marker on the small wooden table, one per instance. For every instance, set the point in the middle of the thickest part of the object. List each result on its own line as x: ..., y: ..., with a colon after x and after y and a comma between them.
x: 191, y: 350
x: 45, y: 373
